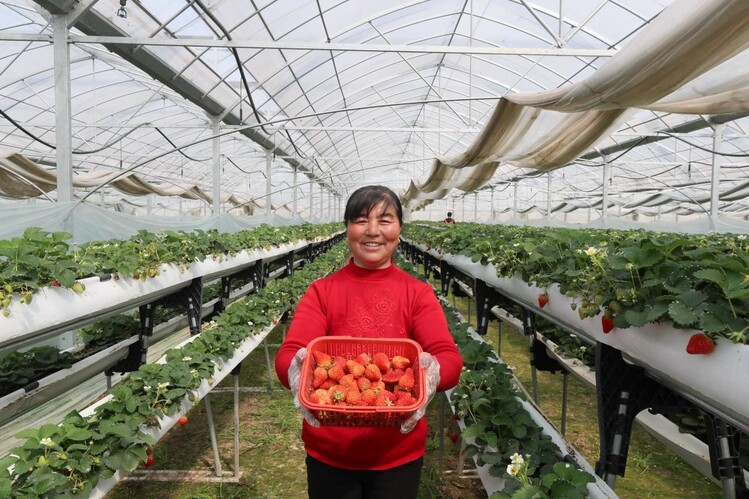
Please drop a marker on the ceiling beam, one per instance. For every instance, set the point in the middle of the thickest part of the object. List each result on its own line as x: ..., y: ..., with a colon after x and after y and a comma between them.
x: 125, y: 40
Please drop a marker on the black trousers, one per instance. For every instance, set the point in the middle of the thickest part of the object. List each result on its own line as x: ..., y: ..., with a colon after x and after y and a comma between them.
x: 328, y: 482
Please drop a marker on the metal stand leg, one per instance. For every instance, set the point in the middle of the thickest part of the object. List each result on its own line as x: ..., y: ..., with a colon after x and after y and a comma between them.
x: 212, y: 431
x: 565, y: 384
x: 267, y: 363
x: 236, y: 425
x: 499, y: 338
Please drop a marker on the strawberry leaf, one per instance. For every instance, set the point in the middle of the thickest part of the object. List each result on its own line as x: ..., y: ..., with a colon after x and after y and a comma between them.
x: 681, y: 314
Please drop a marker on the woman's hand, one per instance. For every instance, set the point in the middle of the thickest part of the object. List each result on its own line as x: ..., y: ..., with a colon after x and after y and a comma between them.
x: 431, y: 379
x: 295, y: 375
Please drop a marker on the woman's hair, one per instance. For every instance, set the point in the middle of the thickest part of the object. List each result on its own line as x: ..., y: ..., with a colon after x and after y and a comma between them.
x: 365, y: 198
x: 449, y: 213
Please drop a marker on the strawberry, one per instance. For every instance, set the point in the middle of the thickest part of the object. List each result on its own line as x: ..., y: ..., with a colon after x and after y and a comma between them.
x: 341, y: 361
x: 336, y: 372
x: 337, y: 394
x: 149, y: 450
x: 363, y: 358
x: 372, y: 372
x: 353, y: 397
x: 363, y: 383
x: 607, y: 323
x: 320, y: 396
x: 382, y: 361
x: 183, y: 420
x: 400, y: 362
x: 328, y: 383
x: 354, y: 368
x: 405, y: 399
x: 368, y: 396
x: 453, y: 437
x: 543, y: 300
x: 378, y: 386
x: 349, y: 382
x: 149, y: 461
x: 322, y: 359
x: 393, y: 376
x: 56, y: 283
x: 385, y: 398
x: 319, y: 377
x: 700, y: 343
x: 407, y: 381
x: 78, y: 287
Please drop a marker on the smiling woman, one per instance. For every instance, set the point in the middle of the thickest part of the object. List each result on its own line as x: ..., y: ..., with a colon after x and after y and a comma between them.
x: 373, y: 218
x: 368, y: 298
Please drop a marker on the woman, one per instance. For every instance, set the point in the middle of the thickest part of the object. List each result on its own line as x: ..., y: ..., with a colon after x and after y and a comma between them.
x: 370, y: 297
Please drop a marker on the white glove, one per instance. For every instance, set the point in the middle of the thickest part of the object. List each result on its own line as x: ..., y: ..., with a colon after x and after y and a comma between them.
x: 431, y: 379
x: 295, y: 375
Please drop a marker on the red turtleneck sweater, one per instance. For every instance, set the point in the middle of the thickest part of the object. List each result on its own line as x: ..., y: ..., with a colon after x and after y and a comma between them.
x: 384, y: 303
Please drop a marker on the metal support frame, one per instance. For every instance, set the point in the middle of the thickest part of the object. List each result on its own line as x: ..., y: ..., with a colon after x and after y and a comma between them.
x: 623, y: 390
x: 529, y: 330
x: 138, y: 350
x: 258, y: 274
x: 724, y: 441
x: 194, y: 298
x: 484, y: 295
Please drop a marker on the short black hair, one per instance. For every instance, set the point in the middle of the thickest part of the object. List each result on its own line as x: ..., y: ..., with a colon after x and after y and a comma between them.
x: 449, y: 213
x: 363, y: 199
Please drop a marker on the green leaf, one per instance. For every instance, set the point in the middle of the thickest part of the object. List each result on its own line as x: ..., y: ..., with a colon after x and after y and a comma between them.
x: 530, y: 492
x: 681, y: 314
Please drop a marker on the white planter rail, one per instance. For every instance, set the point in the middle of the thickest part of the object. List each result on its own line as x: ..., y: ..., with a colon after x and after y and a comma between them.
x: 55, y: 310
x: 716, y: 382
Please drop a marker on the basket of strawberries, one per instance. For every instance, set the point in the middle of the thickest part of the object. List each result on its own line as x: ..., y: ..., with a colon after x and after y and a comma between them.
x: 348, y: 381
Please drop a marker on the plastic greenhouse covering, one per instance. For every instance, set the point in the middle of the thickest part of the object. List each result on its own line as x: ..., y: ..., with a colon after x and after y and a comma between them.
x: 594, y: 112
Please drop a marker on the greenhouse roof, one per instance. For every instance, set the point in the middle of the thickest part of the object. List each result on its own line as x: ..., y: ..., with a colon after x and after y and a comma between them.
x: 349, y: 93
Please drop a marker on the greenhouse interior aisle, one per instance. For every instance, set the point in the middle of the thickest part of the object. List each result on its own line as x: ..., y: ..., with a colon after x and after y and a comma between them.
x: 574, y: 184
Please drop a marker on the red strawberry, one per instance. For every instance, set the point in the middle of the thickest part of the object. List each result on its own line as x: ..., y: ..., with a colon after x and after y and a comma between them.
x: 405, y: 401
x: 700, y: 343
x: 56, y: 283
x: 149, y: 461
x: 353, y: 397
x: 368, y: 396
x: 393, y: 376
x: 543, y: 300
x: 453, y: 437
x: 341, y: 361
x: 363, y: 358
x: 407, y: 381
x: 354, y: 368
x: 337, y: 394
x: 385, y: 398
x: 363, y: 383
x: 149, y: 450
x: 336, y: 372
x: 320, y: 396
x: 378, y: 386
x: 328, y: 383
x: 400, y: 362
x: 319, y: 377
x: 372, y: 372
x: 382, y: 361
x: 607, y: 323
x: 183, y: 420
x: 322, y: 359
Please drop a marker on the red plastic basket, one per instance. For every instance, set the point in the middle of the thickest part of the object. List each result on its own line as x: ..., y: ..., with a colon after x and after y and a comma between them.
x: 349, y: 347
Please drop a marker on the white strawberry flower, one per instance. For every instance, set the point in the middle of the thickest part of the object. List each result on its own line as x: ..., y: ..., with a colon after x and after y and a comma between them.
x: 47, y: 442
x: 517, y: 459
x: 513, y: 469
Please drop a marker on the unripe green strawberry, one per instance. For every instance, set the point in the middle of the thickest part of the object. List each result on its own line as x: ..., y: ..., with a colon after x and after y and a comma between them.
x: 78, y: 287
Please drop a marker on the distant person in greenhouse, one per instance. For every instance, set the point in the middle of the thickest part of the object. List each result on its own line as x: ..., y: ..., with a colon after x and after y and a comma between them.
x: 370, y: 297
x: 449, y: 219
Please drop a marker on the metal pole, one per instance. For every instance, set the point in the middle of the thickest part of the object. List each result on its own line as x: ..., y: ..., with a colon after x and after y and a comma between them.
x: 715, y: 177
x: 216, y: 147
x: 268, y: 186
x: 236, y: 425
x: 565, y: 385
x: 267, y: 363
x: 63, y: 109
x: 605, y: 200
x: 212, y: 432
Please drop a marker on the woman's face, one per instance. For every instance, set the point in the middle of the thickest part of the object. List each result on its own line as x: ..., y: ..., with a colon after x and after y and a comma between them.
x: 373, y: 238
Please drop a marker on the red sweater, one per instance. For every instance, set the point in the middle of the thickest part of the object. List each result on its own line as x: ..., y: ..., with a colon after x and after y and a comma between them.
x: 385, y: 303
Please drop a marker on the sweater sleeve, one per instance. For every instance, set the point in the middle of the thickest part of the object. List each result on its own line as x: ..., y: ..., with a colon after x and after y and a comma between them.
x: 431, y: 332
x: 308, y: 322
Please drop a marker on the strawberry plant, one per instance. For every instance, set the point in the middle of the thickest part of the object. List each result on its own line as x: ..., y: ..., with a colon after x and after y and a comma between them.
x: 71, y: 458
x: 18, y: 369
x: 637, y: 277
